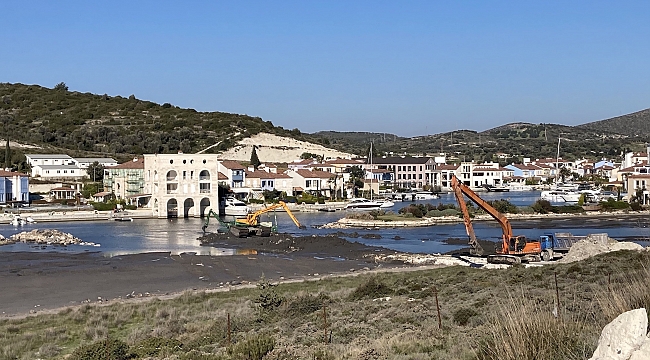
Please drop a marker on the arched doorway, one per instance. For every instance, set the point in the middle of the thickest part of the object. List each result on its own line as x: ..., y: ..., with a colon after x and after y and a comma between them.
x: 187, y: 205
x: 205, y: 204
x: 172, y: 208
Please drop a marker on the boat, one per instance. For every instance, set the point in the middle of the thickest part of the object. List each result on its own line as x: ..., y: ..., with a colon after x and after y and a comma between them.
x: 363, y: 204
x: 561, y: 196
x: 123, y: 219
x: 425, y: 195
x: 493, y: 188
x: 18, y: 220
x: 234, y: 207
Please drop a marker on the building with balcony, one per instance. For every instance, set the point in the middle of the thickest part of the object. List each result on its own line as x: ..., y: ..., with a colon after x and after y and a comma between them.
x: 181, y: 185
x: 127, y: 181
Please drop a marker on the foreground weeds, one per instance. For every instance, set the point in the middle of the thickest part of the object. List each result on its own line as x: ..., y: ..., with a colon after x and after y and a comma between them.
x: 516, y: 313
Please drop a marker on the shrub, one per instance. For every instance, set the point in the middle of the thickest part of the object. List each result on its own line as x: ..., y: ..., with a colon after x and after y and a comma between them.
x: 252, y: 348
x: 542, y: 206
x: 416, y: 210
x: 446, y: 212
x: 102, y: 350
x: 305, y: 304
x: 155, y: 345
x: 462, y: 315
x: 504, y: 206
x: 371, y: 289
x: 635, y: 206
x: 612, y: 204
x: 268, y: 298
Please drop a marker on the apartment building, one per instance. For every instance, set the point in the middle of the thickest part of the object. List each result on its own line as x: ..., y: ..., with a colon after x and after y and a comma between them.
x: 181, y: 184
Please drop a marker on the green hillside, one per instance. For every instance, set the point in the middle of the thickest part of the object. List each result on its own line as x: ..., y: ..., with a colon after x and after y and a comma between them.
x: 84, y: 123
x: 636, y: 124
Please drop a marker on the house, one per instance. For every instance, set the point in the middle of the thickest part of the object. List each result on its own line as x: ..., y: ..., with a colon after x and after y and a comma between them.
x: 260, y: 181
x: 640, y: 183
x: 49, y: 159
x: 181, y: 185
x: 442, y: 175
x: 14, y: 188
x: 301, y: 164
x: 315, y: 182
x: 63, y: 193
x: 408, y: 171
x: 59, y: 172
x: 126, y: 180
x: 528, y: 171
x: 102, y: 196
x: 235, y: 172
x: 83, y: 163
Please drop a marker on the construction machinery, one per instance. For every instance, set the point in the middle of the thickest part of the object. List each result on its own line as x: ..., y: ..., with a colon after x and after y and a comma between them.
x: 251, y: 223
x: 513, y: 249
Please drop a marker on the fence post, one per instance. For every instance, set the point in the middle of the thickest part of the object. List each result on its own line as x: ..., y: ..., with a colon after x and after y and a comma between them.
x: 435, y: 294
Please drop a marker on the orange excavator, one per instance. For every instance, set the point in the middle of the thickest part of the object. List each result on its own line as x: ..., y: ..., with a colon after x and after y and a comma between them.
x: 513, y: 248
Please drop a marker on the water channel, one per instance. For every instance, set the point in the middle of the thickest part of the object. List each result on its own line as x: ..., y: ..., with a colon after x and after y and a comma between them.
x: 180, y: 235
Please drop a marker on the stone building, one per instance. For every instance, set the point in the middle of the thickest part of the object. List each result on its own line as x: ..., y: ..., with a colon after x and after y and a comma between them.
x: 181, y: 185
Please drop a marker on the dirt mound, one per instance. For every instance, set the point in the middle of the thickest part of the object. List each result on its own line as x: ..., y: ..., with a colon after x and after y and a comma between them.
x: 589, y: 247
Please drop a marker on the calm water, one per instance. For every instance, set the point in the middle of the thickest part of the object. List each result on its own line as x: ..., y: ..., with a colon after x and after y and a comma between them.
x: 180, y: 235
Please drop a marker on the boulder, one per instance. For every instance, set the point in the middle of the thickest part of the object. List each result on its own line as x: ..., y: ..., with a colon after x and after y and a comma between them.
x: 623, y: 336
x: 644, y: 351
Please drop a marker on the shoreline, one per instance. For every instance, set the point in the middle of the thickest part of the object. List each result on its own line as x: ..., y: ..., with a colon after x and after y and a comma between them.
x: 346, y: 223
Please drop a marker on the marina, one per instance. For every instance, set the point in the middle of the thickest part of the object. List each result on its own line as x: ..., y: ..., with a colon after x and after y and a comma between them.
x: 180, y: 235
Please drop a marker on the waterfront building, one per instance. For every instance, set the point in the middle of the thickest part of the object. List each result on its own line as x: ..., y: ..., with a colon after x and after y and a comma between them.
x: 181, y: 185
x: 640, y: 183
x: 126, y: 181
x: 315, y: 182
x: 14, y: 188
x: 408, y: 171
x: 259, y: 181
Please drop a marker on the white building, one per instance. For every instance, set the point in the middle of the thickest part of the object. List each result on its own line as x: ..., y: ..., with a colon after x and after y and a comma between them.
x: 59, y: 172
x: 83, y: 163
x: 49, y: 159
x: 14, y: 187
x: 181, y: 185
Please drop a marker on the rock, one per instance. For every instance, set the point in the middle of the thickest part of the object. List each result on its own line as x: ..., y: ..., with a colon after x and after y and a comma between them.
x: 623, y: 336
x: 45, y: 236
x: 644, y: 352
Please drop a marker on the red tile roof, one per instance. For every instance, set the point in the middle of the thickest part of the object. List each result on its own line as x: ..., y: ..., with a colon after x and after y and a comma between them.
x: 314, y: 174
x: 137, y: 163
x: 232, y: 164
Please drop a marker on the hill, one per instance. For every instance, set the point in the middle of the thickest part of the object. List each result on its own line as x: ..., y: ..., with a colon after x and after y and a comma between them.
x: 636, y: 124
x: 83, y: 123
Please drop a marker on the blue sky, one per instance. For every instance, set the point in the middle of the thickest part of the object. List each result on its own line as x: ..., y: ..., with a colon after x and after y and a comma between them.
x: 404, y: 67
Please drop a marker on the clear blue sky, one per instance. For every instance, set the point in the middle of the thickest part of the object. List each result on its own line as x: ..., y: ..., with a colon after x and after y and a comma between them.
x: 405, y: 67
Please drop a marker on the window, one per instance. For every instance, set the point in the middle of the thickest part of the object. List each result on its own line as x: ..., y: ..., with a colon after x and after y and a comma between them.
x: 204, y: 188
x: 171, y: 175
x: 420, y: 177
x: 184, y: 174
x: 307, y: 183
x: 263, y: 183
x: 399, y: 168
x: 204, y: 175
x: 420, y: 169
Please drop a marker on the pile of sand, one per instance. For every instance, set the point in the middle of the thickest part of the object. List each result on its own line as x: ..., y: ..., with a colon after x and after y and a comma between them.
x: 592, y: 246
x: 278, y: 149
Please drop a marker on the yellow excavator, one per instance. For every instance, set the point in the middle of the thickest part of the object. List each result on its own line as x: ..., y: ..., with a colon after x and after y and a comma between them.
x: 251, y: 223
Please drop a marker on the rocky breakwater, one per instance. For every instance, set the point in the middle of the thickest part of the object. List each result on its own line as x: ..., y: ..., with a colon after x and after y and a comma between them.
x: 44, y: 237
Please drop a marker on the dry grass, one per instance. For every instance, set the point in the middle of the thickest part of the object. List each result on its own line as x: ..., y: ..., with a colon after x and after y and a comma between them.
x: 486, y: 314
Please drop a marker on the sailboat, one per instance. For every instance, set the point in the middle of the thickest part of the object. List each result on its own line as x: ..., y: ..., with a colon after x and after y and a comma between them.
x: 385, y: 203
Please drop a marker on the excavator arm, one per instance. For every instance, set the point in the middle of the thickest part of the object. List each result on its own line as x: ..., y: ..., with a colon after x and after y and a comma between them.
x: 254, y: 218
x: 511, y: 245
